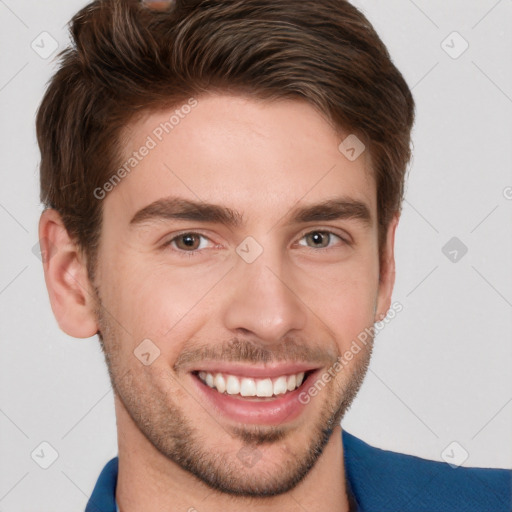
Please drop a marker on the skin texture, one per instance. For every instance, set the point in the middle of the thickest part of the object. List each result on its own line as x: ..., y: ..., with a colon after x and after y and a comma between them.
x: 295, y: 302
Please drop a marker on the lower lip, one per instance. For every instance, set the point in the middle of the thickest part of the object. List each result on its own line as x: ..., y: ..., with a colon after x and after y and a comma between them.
x: 270, y: 411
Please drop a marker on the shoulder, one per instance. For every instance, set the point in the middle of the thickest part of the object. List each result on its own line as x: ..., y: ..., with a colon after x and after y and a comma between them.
x: 383, y: 481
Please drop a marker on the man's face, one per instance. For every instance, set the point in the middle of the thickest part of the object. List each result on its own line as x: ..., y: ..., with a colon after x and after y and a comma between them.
x: 263, y: 291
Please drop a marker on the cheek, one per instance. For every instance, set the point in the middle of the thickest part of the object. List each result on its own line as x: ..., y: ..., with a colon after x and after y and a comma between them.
x: 343, y: 298
x: 158, y: 303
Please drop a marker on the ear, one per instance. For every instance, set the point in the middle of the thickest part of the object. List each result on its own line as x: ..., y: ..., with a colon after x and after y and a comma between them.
x: 387, y: 271
x: 65, y: 272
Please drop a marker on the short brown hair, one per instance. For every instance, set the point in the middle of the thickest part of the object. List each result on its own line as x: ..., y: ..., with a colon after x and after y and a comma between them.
x: 127, y: 59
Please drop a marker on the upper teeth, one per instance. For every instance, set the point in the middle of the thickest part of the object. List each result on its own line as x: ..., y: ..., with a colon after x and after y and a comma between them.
x: 245, y: 386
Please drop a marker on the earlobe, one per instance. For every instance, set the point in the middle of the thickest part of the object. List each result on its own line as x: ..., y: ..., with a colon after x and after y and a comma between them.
x: 71, y: 293
x: 387, y: 271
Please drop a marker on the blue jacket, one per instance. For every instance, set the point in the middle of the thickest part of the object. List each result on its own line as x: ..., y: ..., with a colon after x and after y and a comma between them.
x: 384, y: 481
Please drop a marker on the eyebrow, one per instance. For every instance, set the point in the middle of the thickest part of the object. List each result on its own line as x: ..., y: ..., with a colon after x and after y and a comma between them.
x: 184, y: 209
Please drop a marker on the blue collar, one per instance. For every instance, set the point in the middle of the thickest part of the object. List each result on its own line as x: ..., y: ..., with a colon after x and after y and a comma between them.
x: 383, y: 481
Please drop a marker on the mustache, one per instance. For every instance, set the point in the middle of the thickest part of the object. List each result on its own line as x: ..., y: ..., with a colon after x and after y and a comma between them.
x: 249, y: 351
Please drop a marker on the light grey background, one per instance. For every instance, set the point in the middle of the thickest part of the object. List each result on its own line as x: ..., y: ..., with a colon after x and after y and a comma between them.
x: 441, y: 370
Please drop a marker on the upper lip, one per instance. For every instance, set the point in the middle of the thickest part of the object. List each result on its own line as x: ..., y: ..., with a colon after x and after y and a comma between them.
x: 255, y: 371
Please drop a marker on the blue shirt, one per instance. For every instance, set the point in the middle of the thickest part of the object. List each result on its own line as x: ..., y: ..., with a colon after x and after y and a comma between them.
x: 384, y: 481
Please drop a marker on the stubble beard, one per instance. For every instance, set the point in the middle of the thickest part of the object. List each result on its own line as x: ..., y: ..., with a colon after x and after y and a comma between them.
x: 166, y: 426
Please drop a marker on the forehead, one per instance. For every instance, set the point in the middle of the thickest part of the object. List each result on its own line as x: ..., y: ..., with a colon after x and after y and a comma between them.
x: 248, y: 154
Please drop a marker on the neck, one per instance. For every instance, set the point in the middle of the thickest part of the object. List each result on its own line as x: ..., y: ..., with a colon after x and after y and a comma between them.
x: 149, y: 481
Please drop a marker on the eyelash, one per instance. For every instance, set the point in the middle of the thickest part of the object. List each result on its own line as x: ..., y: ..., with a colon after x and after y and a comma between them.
x: 195, y: 252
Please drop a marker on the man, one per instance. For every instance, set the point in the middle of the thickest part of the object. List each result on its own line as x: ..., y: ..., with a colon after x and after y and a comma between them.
x: 223, y: 182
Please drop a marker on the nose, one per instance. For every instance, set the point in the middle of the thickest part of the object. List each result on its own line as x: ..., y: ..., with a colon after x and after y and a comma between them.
x: 261, y: 300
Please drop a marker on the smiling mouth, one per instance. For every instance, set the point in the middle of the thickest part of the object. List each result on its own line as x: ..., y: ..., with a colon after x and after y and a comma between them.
x: 254, y: 389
